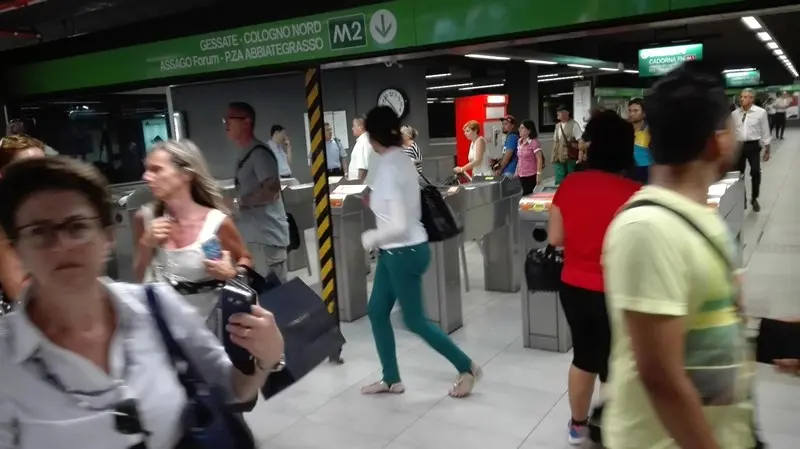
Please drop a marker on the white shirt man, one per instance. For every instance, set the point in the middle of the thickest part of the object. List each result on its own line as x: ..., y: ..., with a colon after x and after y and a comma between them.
x: 753, y: 133
x: 752, y: 125
x: 363, y: 157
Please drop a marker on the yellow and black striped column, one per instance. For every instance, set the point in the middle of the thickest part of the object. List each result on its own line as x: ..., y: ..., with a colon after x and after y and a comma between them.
x: 322, y: 205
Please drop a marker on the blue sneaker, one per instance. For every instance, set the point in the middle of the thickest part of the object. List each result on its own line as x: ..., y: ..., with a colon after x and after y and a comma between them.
x: 576, y: 433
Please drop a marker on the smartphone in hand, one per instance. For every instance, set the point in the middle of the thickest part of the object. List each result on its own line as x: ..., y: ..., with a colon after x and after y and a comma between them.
x: 236, y: 298
x: 212, y: 249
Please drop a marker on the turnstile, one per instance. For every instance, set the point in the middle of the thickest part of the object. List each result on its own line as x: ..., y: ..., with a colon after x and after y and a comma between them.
x: 544, y: 325
x: 441, y: 284
x: 128, y: 199
x: 729, y: 197
x: 490, y: 216
x: 347, y: 211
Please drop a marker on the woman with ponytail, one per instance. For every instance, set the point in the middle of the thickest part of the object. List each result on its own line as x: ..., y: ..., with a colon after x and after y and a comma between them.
x: 186, y: 237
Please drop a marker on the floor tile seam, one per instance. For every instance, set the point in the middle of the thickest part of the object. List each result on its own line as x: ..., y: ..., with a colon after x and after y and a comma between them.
x: 765, y: 225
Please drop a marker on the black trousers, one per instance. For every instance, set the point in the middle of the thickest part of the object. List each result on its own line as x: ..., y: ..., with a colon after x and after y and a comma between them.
x: 751, y: 153
x: 780, y: 124
x: 335, y: 172
x: 528, y: 184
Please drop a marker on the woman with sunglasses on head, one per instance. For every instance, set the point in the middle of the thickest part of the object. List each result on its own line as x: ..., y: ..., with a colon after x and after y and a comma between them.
x: 83, y: 361
x: 403, y: 258
x: 186, y: 223
x: 12, y: 275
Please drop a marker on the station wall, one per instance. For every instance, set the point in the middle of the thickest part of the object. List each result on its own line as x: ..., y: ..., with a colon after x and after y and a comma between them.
x: 280, y: 100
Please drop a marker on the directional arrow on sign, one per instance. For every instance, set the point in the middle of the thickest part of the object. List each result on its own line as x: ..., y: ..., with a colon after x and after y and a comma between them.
x: 383, y: 26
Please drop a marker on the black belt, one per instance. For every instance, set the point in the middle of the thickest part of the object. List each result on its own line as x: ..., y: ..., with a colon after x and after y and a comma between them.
x: 751, y: 142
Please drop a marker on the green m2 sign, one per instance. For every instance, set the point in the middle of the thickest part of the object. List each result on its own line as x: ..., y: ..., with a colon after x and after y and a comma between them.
x: 382, y: 27
x: 662, y: 60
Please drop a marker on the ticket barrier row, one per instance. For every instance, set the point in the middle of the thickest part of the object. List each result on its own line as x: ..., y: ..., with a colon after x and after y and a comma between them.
x: 544, y: 325
x: 485, y: 210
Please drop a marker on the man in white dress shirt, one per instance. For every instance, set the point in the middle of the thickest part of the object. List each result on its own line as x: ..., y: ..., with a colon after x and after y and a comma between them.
x: 781, y: 105
x: 752, y: 133
x: 363, y: 159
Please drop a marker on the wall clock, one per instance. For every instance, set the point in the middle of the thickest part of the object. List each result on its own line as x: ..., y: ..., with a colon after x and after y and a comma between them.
x: 395, y: 99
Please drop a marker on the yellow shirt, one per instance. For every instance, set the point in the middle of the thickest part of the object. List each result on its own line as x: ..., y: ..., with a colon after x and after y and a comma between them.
x: 655, y: 263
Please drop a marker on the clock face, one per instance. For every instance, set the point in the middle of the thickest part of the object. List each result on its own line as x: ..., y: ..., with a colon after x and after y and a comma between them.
x: 395, y: 100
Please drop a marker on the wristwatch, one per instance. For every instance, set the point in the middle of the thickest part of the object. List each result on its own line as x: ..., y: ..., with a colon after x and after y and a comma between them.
x: 277, y: 367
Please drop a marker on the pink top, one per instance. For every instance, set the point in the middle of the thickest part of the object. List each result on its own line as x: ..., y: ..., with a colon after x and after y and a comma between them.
x: 526, y: 157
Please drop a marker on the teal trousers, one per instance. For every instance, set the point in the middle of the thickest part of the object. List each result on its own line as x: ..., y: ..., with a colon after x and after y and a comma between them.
x: 398, y: 277
x: 562, y: 169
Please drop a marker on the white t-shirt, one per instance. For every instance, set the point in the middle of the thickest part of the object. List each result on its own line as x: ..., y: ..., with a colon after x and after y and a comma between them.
x: 362, y: 158
x: 397, y: 182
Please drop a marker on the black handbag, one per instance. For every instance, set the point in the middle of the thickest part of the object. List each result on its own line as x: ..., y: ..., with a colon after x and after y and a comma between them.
x: 437, y: 217
x: 208, y: 423
x: 310, y: 334
x: 543, y: 268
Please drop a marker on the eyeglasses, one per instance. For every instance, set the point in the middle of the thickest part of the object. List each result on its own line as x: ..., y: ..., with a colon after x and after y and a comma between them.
x: 76, y: 230
x: 225, y: 120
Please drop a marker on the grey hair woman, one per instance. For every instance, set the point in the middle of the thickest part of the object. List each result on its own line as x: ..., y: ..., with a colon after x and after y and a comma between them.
x: 188, y: 217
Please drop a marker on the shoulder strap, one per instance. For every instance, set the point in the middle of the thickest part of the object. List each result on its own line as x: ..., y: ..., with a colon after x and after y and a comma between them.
x: 719, y: 251
x: 250, y: 153
x: 174, y: 350
x: 211, y: 225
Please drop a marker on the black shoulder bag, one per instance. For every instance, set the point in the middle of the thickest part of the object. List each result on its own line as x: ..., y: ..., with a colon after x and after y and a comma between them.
x: 437, y: 217
x: 294, y: 232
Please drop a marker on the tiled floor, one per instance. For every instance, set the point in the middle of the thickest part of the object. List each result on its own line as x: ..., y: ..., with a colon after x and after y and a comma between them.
x: 521, y: 403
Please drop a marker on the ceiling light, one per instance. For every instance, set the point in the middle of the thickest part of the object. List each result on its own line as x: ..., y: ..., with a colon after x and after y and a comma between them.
x: 539, y: 61
x: 778, y: 52
x: 783, y: 57
x: 561, y: 78
x: 484, y: 86
x: 563, y: 94
x: 549, y: 75
x: 764, y: 36
x: 438, y: 75
x: 751, y: 22
x: 449, y: 86
x: 749, y: 69
x: 606, y: 69
x: 490, y: 57
x: 772, y: 45
x: 632, y: 72
x: 580, y: 66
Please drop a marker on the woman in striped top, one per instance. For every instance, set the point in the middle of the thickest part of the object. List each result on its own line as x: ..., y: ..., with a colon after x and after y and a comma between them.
x: 410, y: 147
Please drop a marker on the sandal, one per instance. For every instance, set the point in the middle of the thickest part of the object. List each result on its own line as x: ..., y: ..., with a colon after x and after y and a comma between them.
x: 466, y: 382
x: 382, y: 387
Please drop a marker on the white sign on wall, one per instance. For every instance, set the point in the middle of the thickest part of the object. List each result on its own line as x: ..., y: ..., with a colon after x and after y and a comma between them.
x: 582, y: 102
x: 340, y: 125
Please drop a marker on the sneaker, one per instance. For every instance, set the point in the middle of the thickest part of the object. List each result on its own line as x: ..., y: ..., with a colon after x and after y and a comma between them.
x: 466, y: 382
x: 576, y: 433
x: 756, y: 206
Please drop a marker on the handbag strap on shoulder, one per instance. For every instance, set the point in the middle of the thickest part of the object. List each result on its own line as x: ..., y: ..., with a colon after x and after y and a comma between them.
x: 174, y: 350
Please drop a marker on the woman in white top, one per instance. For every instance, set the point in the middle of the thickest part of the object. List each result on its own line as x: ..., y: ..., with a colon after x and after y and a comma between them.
x: 404, y: 257
x: 187, y: 214
x: 410, y: 146
x: 82, y: 362
x: 478, y: 158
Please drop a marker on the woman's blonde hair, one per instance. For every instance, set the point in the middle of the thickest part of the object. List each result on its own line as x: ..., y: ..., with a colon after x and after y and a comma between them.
x: 409, y: 132
x: 188, y: 157
x: 11, y: 146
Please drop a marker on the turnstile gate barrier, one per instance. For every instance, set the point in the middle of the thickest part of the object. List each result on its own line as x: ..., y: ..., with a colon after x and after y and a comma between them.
x: 544, y: 325
x: 347, y: 211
